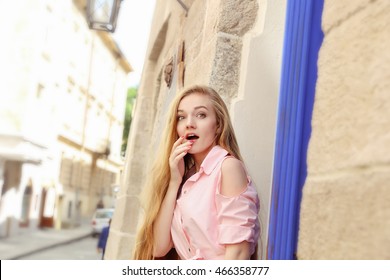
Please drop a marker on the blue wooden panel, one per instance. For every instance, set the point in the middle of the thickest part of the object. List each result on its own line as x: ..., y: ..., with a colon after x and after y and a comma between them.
x: 303, y: 38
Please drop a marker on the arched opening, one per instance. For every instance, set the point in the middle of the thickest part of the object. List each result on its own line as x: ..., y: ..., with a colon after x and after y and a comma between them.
x: 26, y: 205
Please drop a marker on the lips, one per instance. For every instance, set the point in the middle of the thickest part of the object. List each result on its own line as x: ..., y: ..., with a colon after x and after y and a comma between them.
x: 191, y: 136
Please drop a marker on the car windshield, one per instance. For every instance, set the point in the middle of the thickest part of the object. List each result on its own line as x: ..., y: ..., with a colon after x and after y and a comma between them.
x: 103, y: 215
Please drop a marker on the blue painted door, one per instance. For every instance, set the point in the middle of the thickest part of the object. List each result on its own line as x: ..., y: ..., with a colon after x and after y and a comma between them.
x: 303, y: 38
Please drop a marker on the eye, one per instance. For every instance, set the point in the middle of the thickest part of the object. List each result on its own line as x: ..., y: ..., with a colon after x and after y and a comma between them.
x: 179, y: 118
x: 201, y: 115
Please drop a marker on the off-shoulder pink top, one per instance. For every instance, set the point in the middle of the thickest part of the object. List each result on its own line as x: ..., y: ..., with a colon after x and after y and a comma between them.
x: 204, y: 220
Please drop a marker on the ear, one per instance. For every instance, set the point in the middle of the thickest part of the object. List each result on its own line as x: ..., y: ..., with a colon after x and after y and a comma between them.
x: 218, y: 131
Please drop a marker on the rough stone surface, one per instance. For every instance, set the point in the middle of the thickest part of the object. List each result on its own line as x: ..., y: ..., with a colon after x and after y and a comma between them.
x: 345, y: 210
x: 199, y: 69
x: 226, y: 69
x: 337, y: 12
x: 121, y: 246
x: 123, y: 228
x: 346, y: 216
x: 237, y: 16
x: 351, y: 117
x: 194, y: 28
x: 126, y: 206
x: 193, y: 50
x: 211, y: 20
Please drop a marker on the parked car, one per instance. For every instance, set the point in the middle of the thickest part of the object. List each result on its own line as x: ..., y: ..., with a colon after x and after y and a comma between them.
x: 100, y: 220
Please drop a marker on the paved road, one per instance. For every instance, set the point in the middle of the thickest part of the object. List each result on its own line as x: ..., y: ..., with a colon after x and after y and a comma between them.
x: 84, y: 249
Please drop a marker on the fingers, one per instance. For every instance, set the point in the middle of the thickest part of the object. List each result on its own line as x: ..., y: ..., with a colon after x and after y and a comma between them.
x: 179, y: 146
x: 178, y: 142
x: 180, y: 151
x: 176, y: 159
x: 182, y: 148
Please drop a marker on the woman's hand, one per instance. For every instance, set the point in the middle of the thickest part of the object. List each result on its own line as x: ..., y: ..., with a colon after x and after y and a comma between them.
x: 162, y: 226
x: 176, y: 159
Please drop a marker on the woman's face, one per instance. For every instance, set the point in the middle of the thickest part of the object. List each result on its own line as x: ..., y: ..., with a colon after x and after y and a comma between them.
x: 197, y: 122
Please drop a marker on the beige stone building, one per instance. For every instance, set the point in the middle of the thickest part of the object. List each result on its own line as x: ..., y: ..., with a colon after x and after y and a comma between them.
x: 62, y: 103
x: 307, y: 85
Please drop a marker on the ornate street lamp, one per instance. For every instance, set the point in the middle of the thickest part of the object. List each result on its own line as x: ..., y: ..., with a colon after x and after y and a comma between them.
x: 103, y: 14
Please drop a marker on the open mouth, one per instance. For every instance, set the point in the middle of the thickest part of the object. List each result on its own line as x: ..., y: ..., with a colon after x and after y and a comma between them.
x: 192, y: 136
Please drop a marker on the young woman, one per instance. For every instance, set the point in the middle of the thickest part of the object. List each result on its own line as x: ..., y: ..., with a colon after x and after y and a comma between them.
x: 199, y: 199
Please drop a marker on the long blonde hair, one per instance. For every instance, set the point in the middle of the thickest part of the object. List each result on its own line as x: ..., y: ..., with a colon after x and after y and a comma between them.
x: 158, y: 181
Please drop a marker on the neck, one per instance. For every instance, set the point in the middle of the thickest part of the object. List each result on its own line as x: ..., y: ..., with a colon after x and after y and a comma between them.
x: 197, y: 166
x: 198, y: 158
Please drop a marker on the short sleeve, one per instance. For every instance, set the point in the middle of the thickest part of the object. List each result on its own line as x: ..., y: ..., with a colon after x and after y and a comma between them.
x: 238, y: 217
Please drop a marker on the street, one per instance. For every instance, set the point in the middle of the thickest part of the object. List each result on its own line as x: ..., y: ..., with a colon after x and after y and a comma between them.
x: 84, y: 249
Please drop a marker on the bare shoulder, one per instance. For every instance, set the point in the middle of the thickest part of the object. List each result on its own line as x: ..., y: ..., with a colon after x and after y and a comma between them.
x: 234, y: 179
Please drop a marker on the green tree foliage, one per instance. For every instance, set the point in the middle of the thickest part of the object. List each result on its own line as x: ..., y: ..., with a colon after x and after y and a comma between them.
x: 131, y: 96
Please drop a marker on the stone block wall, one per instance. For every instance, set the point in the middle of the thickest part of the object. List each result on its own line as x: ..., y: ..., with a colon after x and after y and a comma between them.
x: 345, y: 211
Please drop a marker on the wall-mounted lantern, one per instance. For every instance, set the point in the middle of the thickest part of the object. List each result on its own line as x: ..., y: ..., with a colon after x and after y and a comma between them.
x: 103, y: 14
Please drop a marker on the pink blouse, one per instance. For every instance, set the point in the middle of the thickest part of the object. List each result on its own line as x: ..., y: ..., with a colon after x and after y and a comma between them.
x: 204, y: 220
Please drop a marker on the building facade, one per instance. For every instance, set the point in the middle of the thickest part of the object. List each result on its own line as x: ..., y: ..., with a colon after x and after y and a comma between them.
x: 63, y: 95
x: 240, y: 48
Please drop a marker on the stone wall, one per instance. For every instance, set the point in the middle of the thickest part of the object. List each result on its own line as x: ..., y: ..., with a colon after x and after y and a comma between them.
x: 345, y: 212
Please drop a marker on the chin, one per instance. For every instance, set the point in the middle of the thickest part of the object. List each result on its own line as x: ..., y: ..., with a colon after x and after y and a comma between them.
x: 196, y: 150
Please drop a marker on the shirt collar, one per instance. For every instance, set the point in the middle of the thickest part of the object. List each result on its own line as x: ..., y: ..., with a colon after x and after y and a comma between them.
x: 216, y: 154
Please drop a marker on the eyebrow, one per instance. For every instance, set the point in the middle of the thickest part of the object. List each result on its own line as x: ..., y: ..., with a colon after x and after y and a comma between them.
x: 196, y: 108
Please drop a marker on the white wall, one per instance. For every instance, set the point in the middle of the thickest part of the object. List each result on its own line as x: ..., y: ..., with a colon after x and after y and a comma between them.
x: 254, y: 112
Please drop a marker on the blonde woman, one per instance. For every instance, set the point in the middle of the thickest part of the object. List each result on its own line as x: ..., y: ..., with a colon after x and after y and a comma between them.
x: 200, y: 200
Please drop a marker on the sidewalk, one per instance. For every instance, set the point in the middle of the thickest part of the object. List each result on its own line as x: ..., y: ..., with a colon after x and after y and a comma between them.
x: 24, y: 244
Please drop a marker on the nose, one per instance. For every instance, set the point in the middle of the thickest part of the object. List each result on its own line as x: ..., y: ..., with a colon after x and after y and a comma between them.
x: 190, y: 122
